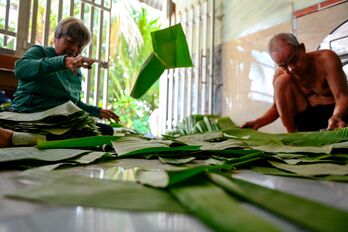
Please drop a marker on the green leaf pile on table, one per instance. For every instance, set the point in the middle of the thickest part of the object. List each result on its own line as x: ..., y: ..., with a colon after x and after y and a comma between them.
x: 196, y: 174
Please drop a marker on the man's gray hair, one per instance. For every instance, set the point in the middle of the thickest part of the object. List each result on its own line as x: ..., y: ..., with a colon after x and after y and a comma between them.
x: 286, y: 37
x: 73, y: 27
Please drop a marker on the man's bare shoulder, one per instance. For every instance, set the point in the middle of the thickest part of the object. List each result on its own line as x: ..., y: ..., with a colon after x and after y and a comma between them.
x: 278, y: 73
x: 324, y: 54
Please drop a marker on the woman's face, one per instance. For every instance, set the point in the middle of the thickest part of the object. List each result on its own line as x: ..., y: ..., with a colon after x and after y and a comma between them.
x: 68, y: 45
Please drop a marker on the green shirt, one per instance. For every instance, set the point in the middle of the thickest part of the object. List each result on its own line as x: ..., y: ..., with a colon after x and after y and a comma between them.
x: 44, y: 82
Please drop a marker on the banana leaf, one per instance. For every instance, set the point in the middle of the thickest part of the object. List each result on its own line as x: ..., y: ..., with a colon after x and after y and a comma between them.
x: 200, y: 127
x: 170, y: 50
x: 81, y: 160
x: 273, y: 171
x: 225, y: 123
x: 135, y: 146
x: 167, y: 160
x: 92, y: 141
x: 316, y: 138
x: 318, y: 169
x: 76, y: 190
x: 216, y: 208
x: 201, y: 138
x: 281, y: 148
x: 279, y: 172
x: 217, y: 146
x: 309, y: 214
x: 165, y: 178
x: 32, y: 153
x: 335, y: 178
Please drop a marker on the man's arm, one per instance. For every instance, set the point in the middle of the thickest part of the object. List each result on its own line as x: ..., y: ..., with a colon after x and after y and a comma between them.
x: 338, y: 85
x: 268, y: 117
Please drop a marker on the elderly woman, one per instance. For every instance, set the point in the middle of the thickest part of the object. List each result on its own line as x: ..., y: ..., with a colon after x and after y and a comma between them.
x: 51, y: 76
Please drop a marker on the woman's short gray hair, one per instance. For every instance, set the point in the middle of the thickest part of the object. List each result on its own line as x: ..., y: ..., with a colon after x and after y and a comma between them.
x: 73, y: 27
x: 286, y: 37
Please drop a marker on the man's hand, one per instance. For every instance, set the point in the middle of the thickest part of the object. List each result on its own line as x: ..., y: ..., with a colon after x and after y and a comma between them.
x: 251, y: 124
x: 72, y: 63
x: 104, y: 113
x: 335, y: 122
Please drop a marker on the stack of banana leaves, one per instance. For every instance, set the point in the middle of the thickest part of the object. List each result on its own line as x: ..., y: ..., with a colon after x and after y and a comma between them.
x: 63, y: 121
x: 191, y: 171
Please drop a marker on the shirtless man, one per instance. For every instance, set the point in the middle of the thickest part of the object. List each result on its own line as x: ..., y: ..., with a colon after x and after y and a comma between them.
x: 310, y: 88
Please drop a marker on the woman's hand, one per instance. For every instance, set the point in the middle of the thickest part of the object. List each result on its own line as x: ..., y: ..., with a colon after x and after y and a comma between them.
x: 72, y: 63
x: 104, y: 113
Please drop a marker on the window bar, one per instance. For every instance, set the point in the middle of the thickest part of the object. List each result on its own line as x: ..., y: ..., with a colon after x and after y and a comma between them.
x: 90, y: 53
x: 170, y: 99
x: 96, y: 5
x: 34, y: 23
x: 47, y: 23
x: 176, y: 87
x: 171, y: 90
x: 183, y: 77
x: 72, y: 7
x: 204, y: 59
x: 163, y: 101
x: 98, y: 56
x: 190, y: 70
x: 211, y: 56
x: 82, y: 11
x: 106, y: 70
x: 7, y: 13
x: 23, y: 27
x: 87, y: 83
x: 60, y: 11
x: 197, y: 59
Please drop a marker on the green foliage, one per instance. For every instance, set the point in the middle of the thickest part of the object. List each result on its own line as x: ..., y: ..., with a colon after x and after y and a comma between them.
x: 133, y: 113
x: 123, y: 72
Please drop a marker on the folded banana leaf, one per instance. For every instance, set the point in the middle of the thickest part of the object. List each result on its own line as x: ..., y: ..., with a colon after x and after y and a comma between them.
x: 315, y: 138
x: 71, y: 189
x: 170, y: 50
x: 32, y: 153
x: 318, y: 169
x: 136, y: 145
x: 312, y: 215
x: 92, y: 141
x: 217, y: 209
x: 165, y: 178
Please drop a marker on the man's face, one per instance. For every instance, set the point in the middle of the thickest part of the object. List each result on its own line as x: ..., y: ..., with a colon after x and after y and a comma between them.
x: 67, y: 45
x: 289, y: 58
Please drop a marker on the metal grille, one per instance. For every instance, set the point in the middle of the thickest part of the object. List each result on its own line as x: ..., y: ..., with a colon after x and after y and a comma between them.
x: 190, y: 90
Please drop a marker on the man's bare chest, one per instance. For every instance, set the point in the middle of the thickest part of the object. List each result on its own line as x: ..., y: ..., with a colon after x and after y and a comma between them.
x: 314, y: 85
